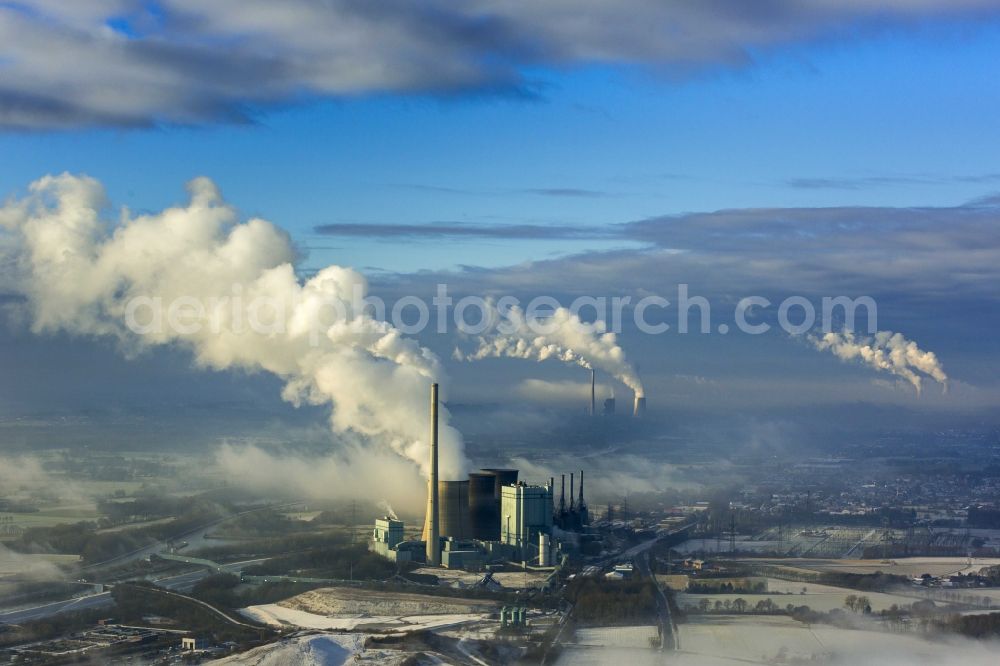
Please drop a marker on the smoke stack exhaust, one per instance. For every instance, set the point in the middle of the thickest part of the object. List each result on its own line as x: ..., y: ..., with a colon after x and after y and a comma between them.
x: 593, y: 396
x: 433, y: 552
x: 639, y: 409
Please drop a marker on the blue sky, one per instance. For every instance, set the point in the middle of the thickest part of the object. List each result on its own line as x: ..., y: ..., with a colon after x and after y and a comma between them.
x: 899, y: 118
x: 421, y: 134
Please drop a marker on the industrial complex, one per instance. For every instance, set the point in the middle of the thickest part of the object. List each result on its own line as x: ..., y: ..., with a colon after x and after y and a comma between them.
x: 490, y: 517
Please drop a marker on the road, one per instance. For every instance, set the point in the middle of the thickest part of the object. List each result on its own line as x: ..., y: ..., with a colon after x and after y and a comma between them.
x: 668, y: 634
x: 177, y: 582
x: 194, y: 537
x: 638, y: 549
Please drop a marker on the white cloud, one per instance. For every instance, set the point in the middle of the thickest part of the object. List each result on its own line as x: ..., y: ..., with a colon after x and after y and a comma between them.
x: 126, y: 62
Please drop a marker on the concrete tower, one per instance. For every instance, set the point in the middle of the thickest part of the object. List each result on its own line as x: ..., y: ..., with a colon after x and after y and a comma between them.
x: 639, y: 409
x: 433, y: 545
x: 593, y: 396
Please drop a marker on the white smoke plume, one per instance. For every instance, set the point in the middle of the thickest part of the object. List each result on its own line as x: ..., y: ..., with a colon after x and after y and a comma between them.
x: 885, y: 351
x: 349, y: 472
x: 562, y: 336
x: 231, y: 297
x: 387, y: 509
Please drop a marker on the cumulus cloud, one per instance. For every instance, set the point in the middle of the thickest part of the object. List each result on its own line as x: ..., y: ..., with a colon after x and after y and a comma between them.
x: 129, y: 63
x: 236, y: 302
x: 886, y: 352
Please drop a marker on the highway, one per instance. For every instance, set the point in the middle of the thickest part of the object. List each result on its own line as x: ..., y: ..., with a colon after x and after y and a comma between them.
x: 177, y: 582
x: 668, y: 634
x: 180, y: 582
x: 194, y: 537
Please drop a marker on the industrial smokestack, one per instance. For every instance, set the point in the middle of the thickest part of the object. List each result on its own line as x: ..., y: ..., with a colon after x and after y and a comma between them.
x: 433, y: 547
x: 640, y: 406
x: 580, y: 502
x: 571, y: 492
x: 593, y: 397
x: 562, y: 497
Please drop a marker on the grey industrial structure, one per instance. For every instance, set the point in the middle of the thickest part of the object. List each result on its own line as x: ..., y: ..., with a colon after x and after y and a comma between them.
x: 490, y: 516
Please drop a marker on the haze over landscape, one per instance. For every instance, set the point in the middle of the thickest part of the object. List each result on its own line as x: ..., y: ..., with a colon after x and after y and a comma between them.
x: 735, y: 264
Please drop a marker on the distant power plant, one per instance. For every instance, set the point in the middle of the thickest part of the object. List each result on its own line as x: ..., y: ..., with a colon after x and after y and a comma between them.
x: 609, y: 407
x: 638, y: 406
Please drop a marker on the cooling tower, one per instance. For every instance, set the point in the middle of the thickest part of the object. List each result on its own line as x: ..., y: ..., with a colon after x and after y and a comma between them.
x: 453, y: 509
x: 501, y: 478
x: 505, y: 477
x: 593, y: 397
x: 640, y: 406
x: 484, y: 513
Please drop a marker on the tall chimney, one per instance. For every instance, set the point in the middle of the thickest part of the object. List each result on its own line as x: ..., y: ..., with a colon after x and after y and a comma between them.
x: 593, y: 397
x: 562, y: 497
x: 580, y: 502
x: 433, y: 545
x: 571, y: 492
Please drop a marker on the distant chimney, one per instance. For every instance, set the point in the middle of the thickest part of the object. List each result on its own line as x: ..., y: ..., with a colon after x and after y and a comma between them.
x: 562, y: 496
x: 571, y: 492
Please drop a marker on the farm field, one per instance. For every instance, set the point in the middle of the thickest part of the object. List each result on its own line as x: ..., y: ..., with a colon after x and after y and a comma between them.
x: 617, y: 637
x: 767, y: 640
x: 903, y: 566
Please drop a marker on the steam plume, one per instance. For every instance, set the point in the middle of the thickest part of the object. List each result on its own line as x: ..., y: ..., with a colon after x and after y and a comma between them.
x: 561, y: 336
x: 84, y: 275
x: 886, y: 351
x: 386, y: 508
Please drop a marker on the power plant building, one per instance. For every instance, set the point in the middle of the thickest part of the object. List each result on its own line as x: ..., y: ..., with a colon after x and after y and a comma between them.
x: 386, y: 538
x: 453, y: 510
x: 525, y: 512
x: 484, y: 506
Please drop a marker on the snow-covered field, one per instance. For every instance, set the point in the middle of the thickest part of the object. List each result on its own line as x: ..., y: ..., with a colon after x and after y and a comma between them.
x: 901, y: 566
x: 317, y: 650
x: 619, y: 637
x: 282, y: 616
x: 769, y: 639
x: 511, y: 579
x: 818, y: 597
x: 343, y: 601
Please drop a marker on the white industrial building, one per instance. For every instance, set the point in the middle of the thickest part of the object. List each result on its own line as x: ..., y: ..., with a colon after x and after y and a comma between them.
x: 525, y: 513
